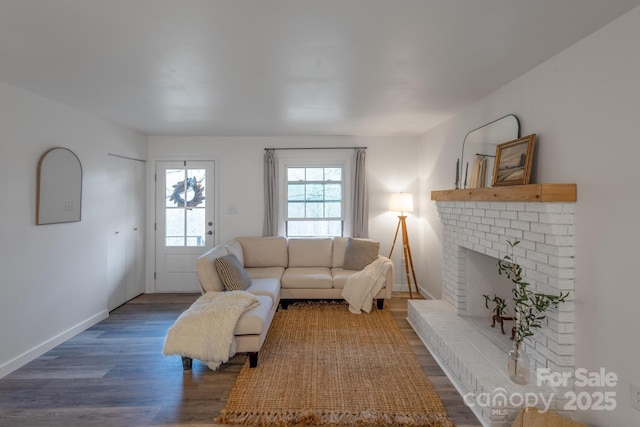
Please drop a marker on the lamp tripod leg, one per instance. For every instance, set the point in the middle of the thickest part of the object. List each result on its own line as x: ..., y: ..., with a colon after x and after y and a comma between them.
x: 406, y: 271
x: 408, y: 259
x: 413, y: 271
x: 395, y: 237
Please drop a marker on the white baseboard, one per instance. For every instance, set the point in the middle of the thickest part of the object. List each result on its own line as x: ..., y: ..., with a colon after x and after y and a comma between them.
x: 426, y: 294
x: 24, y: 358
x: 400, y: 288
x: 404, y: 288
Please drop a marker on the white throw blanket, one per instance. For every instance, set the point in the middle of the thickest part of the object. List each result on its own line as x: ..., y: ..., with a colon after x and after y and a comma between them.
x: 361, y: 287
x: 205, y: 330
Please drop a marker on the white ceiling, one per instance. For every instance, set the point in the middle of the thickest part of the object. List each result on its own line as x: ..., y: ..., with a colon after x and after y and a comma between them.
x: 283, y: 67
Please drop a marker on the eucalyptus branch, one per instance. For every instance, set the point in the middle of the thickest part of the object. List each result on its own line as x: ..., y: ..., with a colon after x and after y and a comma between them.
x: 529, y: 306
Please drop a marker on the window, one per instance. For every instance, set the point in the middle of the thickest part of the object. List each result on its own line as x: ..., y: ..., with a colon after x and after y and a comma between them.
x: 314, y: 192
x: 314, y: 201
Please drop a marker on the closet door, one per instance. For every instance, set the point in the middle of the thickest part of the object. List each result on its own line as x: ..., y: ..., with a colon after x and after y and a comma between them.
x: 116, y: 229
x: 125, y: 228
x: 135, y: 227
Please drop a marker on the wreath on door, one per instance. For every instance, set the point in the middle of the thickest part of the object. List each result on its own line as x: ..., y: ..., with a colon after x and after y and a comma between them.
x: 179, y: 188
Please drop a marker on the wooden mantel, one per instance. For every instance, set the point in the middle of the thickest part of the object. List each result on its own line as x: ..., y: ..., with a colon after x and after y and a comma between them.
x: 512, y: 193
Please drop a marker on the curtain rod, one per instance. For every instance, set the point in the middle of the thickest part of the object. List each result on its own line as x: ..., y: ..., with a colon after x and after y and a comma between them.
x: 316, y: 148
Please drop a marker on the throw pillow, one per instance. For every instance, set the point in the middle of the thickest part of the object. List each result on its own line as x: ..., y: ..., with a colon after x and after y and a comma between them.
x: 232, y: 274
x: 360, y: 253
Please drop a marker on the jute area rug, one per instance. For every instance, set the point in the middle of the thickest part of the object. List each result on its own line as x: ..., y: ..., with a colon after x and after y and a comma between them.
x: 321, y: 365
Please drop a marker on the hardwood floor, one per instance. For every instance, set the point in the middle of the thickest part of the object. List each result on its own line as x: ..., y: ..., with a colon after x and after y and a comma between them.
x: 114, y: 374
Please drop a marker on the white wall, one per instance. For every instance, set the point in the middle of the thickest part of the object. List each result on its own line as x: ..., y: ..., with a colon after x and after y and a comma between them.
x: 392, y: 164
x: 584, y: 105
x: 52, y: 277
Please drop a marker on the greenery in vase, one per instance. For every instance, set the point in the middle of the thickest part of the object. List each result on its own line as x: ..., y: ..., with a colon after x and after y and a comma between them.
x: 529, y: 306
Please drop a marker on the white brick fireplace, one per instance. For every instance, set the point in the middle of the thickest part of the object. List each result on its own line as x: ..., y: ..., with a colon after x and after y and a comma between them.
x: 474, y: 360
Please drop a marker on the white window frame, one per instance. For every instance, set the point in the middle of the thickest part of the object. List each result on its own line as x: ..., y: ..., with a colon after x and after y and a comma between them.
x: 316, y: 158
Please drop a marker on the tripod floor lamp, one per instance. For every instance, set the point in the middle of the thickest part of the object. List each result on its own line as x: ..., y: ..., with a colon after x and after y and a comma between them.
x: 403, y: 202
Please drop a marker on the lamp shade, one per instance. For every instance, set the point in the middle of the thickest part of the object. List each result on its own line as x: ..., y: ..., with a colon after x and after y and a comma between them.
x: 401, y: 202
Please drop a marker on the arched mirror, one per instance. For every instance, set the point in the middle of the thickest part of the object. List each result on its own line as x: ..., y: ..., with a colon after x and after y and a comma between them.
x: 59, y: 193
x: 479, y: 150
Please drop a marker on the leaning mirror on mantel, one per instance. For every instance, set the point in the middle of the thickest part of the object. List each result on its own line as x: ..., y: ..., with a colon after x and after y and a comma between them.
x: 59, y: 192
x: 479, y: 149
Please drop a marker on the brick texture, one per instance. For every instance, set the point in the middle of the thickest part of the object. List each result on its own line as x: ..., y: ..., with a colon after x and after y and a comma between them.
x: 545, y: 251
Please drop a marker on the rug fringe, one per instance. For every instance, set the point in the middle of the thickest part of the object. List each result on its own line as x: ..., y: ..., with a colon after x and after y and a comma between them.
x: 319, y: 418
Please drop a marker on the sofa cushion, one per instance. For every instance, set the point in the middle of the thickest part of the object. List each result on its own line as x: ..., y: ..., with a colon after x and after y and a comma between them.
x: 232, y: 274
x: 312, y: 252
x: 264, y: 251
x: 233, y: 247
x: 307, y: 278
x: 339, y: 248
x: 264, y: 272
x: 254, y: 321
x: 266, y: 286
x: 360, y: 253
x: 340, y: 276
x: 206, y: 270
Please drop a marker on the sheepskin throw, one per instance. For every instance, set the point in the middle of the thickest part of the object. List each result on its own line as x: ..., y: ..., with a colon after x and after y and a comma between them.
x: 205, y: 330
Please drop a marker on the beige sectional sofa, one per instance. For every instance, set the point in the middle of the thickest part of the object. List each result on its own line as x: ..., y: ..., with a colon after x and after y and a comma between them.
x: 282, y: 270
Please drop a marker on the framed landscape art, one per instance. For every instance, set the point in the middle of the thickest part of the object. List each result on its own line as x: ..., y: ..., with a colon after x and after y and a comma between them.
x: 513, y: 161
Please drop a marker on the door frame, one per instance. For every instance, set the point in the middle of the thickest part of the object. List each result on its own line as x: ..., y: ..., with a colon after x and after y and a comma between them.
x: 150, y: 283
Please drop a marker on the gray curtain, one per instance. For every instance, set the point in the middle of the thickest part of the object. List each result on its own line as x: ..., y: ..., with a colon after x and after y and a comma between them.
x: 270, y: 227
x: 360, y: 197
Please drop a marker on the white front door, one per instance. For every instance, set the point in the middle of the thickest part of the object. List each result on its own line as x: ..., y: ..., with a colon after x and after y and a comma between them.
x: 185, y: 227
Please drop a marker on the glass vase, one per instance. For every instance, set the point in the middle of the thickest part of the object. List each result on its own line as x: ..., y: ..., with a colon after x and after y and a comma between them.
x: 518, y: 365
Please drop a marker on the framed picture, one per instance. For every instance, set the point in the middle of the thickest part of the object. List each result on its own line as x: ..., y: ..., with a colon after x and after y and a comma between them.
x: 513, y: 161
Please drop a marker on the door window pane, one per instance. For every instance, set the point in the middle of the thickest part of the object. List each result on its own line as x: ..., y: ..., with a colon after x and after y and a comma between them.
x: 195, y: 227
x: 198, y: 196
x: 175, y: 181
x: 185, y: 207
x: 174, y: 227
